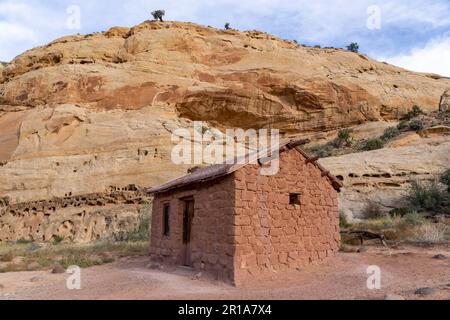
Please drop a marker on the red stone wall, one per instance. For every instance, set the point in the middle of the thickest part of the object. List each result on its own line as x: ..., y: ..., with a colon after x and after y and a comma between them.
x: 274, y: 236
x: 212, y: 236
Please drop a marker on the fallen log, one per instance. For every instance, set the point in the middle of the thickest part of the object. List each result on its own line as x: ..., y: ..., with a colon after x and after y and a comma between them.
x: 366, y: 235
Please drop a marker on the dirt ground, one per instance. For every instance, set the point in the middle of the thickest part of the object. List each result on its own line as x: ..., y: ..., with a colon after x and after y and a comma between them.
x: 404, y: 269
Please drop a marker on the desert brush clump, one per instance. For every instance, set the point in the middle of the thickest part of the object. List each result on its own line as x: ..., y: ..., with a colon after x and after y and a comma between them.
x: 428, y: 196
x: 373, y: 144
x: 415, y: 112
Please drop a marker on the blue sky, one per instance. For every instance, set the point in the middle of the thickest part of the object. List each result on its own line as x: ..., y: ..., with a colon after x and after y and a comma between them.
x: 413, y: 33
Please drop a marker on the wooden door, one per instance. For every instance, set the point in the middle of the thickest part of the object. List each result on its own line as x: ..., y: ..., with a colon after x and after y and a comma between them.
x: 188, y: 216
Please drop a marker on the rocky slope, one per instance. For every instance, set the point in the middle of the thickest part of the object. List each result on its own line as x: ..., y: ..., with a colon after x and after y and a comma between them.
x: 88, y: 114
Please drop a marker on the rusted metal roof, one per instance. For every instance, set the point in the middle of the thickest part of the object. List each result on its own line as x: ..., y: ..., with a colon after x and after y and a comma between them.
x: 221, y: 170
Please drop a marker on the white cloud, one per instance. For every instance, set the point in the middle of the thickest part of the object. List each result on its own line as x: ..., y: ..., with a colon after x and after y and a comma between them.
x: 433, y: 58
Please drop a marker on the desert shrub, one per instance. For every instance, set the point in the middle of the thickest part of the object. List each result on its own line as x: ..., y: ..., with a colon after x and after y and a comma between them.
x: 142, y: 232
x: 401, y: 231
x: 414, y: 218
x: 426, y: 196
x: 343, y: 223
x: 353, y: 47
x: 415, y: 112
x: 158, y: 15
x: 403, y: 124
x: 57, y: 239
x: 399, y: 212
x: 390, y: 133
x: 322, y: 151
x: 7, y: 257
x: 343, y: 138
x: 345, y: 135
x: 416, y: 125
x: 431, y: 232
x: 373, y: 144
x: 445, y: 179
x: 372, y: 210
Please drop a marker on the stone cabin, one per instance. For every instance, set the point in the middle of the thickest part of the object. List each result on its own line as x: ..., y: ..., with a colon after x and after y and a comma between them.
x: 234, y: 224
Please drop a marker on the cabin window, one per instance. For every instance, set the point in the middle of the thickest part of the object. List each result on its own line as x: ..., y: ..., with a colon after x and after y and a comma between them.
x: 166, y: 220
x: 294, y: 199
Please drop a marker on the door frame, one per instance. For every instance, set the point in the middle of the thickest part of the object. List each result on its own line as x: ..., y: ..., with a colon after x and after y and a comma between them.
x: 188, y: 214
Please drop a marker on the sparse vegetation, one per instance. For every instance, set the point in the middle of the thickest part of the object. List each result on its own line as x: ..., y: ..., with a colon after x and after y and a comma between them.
x: 353, y: 47
x: 158, y: 15
x: 416, y: 125
x: 57, y: 239
x: 82, y: 255
x: 390, y: 133
x: 344, y: 135
x: 431, y: 232
x: 373, y: 210
x: 343, y: 223
x: 142, y: 232
x: 373, y: 144
x: 445, y: 179
x: 415, y: 112
x: 427, y: 197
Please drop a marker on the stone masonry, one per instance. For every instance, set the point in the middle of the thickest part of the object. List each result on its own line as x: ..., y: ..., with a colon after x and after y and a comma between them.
x: 244, y: 226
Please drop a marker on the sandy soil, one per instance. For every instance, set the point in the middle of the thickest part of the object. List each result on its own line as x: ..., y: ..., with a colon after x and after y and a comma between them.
x: 404, y: 269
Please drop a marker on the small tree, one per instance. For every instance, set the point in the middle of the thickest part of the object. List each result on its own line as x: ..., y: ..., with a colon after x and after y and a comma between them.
x: 353, y: 47
x: 158, y: 15
x: 227, y: 26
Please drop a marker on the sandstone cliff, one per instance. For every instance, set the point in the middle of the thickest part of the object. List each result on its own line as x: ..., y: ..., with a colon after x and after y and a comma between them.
x: 88, y: 113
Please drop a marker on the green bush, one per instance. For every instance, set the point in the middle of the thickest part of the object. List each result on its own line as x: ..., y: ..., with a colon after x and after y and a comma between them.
x: 414, y: 218
x: 345, y: 135
x: 322, y: 151
x: 416, y: 111
x: 57, y: 239
x: 343, y: 138
x: 403, y: 124
x: 158, y: 15
x: 399, y: 212
x: 390, y: 133
x: 416, y: 125
x: 373, y: 144
x: 353, y: 47
x: 426, y: 196
x: 343, y: 223
x: 372, y: 210
x: 445, y: 179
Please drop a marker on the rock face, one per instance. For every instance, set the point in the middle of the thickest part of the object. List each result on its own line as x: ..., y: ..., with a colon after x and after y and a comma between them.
x: 445, y: 101
x: 74, y: 218
x: 86, y: 113
x: 383, y: 176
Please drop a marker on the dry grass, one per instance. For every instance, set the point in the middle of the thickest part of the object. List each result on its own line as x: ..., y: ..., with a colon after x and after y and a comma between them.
x: 29, y: 257
x: 411, y: 228
x: 432, y: 232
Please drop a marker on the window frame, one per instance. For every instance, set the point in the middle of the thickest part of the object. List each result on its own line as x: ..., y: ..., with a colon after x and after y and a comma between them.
x: 297, y: 196
x: 166, y: 219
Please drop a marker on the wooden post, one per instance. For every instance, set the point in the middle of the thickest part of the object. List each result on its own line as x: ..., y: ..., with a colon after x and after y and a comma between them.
x: 298, y: 143
x: 312, y: 160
